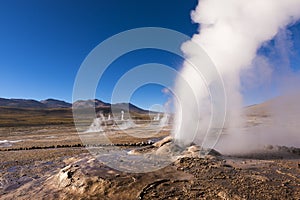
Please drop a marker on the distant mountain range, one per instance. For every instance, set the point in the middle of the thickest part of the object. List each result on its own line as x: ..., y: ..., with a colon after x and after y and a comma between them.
x: 80, y: 104
x: 29, y: 103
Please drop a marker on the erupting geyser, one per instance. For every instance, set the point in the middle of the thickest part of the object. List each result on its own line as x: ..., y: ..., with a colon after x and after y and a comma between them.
x: 96, y: 126
x: 122, y: 115
x: 157, y: 117
x: 231, y: 32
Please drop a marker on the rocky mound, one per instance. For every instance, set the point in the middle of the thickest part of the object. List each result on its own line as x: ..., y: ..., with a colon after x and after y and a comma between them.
x: 167, y: 147
x: 190, y: 176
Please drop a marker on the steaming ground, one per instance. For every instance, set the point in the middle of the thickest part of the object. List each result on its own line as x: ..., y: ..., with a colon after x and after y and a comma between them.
x: 49, y: 162
x: 270, y: 124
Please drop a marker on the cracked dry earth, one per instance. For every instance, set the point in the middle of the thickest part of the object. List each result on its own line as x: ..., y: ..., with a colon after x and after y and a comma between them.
x: 188, y: 177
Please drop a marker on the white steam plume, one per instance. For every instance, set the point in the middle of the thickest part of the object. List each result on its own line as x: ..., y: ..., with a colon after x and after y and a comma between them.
x: 231, y: 32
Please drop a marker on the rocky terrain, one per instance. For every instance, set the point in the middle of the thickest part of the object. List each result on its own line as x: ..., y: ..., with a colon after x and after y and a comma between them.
x: 43, y: 157
x: 79, y: 175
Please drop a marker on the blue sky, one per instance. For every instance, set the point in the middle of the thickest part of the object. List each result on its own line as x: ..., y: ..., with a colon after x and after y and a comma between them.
x: 43, y: 43
x: 283, y: 55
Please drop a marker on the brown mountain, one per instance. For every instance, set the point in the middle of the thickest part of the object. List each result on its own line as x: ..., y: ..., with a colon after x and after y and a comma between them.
x: 53, y: 103
x: 21, y: 103
x: 23, y: 112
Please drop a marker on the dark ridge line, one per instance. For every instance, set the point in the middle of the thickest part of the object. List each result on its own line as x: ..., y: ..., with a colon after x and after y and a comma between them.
x: 37, y: 125
x: 138, y: 144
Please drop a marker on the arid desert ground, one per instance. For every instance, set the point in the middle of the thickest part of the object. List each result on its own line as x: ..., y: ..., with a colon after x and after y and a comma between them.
x: 43, y: 157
